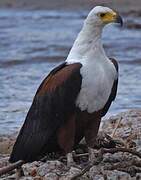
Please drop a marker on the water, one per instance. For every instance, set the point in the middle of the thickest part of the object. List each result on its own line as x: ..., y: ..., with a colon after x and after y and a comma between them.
x: 33, y: 42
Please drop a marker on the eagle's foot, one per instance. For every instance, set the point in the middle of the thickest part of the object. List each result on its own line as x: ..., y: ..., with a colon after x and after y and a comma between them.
x: 70, y: 160
x: 92, y: 155
x: 103, y: 140
x: 19, y: 173
x: 95, y: 156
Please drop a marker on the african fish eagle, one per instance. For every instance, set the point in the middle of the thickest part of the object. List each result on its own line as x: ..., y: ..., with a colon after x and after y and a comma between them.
x: 72, y: 99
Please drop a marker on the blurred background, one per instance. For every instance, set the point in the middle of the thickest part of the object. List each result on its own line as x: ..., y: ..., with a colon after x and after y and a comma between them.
x: 35, y: 36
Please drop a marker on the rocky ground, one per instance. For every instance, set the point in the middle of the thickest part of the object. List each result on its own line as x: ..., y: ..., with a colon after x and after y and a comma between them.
x: 111, y: 164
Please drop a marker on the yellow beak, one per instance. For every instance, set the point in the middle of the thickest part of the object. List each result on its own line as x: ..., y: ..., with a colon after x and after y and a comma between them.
x: 112, y: 18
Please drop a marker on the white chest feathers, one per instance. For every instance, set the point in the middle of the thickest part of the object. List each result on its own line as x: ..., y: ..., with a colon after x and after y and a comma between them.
x: 97, y: 83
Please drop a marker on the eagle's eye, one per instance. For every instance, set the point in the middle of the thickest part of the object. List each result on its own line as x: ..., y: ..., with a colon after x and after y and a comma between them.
x: 102, y: 14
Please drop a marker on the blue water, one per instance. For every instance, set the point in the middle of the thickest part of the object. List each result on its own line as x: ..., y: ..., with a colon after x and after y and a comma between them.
x: 33, y: 42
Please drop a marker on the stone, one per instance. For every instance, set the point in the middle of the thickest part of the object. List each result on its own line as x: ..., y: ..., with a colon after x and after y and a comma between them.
x: 70, y: 174
x: 51, y: 176
x: 116, y: 175
x: 50, y: 166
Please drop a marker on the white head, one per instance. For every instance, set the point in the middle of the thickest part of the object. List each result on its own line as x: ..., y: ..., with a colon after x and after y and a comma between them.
x: 88, y: 42
x: 100, y: 16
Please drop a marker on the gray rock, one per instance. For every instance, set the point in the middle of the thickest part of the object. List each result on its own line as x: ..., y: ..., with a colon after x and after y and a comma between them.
x: 27, y: 178
x: 98, y: 177
x: 71, y: 173
x: 49, y: 167
x: 95, y: 172
x: 51, y: 176
x: 138, y: 176
x: 129, y: 129
x: 117, y: 175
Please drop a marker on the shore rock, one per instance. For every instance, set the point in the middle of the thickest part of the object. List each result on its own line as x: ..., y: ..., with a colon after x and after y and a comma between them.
x: 128, y: 130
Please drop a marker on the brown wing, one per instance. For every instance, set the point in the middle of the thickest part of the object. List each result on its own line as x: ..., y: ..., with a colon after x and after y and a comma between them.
x: 53, y: 103
x: 113, y: 92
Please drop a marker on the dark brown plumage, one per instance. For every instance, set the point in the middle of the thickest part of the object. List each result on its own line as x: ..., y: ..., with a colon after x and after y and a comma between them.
x: 54, y: 123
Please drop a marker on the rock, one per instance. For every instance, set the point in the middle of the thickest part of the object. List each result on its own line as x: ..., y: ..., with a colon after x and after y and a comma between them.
x: 26, y: 178
x: 95, y: 171
x: 98, y: 177
x: 50, y: 167
x: 10, y: 177
x: 129, y: 129
x: 4, y: 161
x: 138, y: 176
x: 70, y: 174
x: 31, y: 168
x: 6, y: 143
x: 51, y: 176
x: 117, y: 175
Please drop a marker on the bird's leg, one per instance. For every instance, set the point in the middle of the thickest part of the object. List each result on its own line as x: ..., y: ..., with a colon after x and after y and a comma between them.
x: 92, y: 155
x: 70, y: 161
x: 95, y: 156
x: 19, y: 173
x: 90, y: 136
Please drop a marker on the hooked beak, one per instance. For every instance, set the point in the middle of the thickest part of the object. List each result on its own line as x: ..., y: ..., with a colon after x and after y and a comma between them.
x: 111, y: 17
x: 119, y: 20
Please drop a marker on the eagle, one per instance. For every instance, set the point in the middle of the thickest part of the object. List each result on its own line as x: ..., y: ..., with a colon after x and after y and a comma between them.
x: 72, y: 99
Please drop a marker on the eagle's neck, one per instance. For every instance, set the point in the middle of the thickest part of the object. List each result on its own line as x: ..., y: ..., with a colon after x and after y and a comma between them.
x: 88, y: 45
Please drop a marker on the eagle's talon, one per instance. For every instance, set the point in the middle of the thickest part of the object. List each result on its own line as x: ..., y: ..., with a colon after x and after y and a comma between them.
x: 92, y: 155
x: 19, y: 173
x: 103, y: 140
x: 70, y: 160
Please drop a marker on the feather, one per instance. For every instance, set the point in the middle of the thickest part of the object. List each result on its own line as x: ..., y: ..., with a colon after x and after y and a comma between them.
x: 53, y: 104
